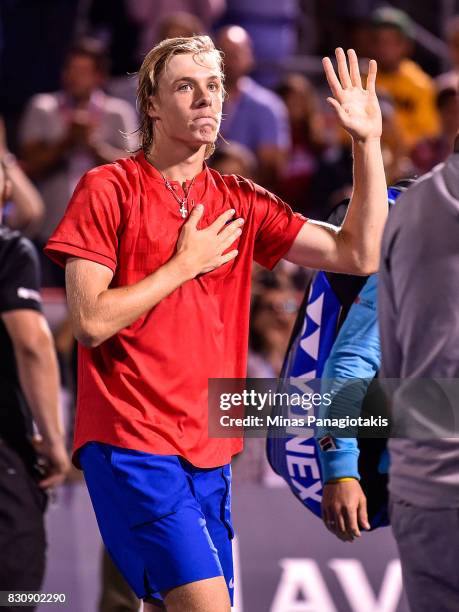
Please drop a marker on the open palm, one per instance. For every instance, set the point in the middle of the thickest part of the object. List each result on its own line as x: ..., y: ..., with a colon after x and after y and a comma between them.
x: 357, y: 108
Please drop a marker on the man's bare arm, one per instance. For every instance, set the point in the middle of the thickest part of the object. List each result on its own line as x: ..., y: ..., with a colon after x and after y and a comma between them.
x: 354, y: 248
x: 39, y: 378
x: 97, y: 312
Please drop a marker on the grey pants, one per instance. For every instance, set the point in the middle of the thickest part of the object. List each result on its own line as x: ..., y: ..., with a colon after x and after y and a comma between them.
x: 428, y: 544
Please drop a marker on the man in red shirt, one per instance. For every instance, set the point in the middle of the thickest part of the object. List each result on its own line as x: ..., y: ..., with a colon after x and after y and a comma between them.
x: 158, y: 251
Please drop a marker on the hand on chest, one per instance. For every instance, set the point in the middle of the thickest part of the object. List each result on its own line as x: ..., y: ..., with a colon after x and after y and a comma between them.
x: 149, y: 237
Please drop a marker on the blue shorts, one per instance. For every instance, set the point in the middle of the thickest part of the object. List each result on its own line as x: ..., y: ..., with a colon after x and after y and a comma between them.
x: 164, y: 522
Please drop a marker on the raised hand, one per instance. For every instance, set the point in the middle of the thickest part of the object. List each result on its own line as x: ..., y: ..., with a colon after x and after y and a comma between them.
x: 357, y: 108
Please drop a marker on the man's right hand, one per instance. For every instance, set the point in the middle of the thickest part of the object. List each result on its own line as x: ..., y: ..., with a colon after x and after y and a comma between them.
x: 56, y: 461
x: 344, y: 509
x: 202, y: 250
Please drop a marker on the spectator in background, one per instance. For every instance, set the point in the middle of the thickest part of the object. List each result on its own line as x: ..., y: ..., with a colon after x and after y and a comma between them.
x: 151, y: 14
x: 29, y: 382
x: 234, y: 158
x: 66, y: 133
x: 411, y: 89
x: 273, y: 28
x: 308, y: 141
x: 24, y: 209
x: 272, y: 316
x: 431, y: 151
x: 397, y: 163
x: 175, y: 25
x: 332, y: 182
x: 180, y: 25
x: 450, y: 79
x: 273, y: 312
x: 253, y: 115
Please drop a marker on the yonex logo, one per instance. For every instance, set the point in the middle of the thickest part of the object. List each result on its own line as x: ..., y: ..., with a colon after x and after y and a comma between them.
x: 327, y: 443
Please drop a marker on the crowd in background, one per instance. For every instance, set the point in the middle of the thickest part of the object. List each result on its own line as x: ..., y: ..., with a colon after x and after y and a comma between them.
x: 67, y: 103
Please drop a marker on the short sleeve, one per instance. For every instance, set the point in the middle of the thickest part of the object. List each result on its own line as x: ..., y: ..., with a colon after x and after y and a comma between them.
x: 277, y: 227
x: 20, y: 277
x: 90, y: 224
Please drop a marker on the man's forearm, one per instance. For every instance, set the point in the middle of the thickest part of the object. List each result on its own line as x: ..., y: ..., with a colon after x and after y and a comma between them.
x: 114, y: 309
x: 39, y: 378
x: 362, y: 229
x: 28, y: 204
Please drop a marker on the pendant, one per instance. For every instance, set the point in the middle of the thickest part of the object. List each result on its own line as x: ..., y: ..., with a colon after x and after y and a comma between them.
x: 183, y: 211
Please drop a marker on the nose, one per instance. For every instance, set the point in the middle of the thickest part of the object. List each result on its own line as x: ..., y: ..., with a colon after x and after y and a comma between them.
x: 203, y: 97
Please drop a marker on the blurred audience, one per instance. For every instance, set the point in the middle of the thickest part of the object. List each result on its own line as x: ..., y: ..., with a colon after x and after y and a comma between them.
x: 431, y: 151
x: 175, y: 25
x: 411, y: 89
x: 332, y: 181
x: 450, y: 79
x: 34, y: 40
x: 180, y: 25
x: 64, y: 134
x: 152, y: 14
x: 307, y: 132
x: 234, y: 158
x: 111, y: 22
x: 252, y: 115
x: 273, y: 27
x: 274, y: 308
x: 397, y: 163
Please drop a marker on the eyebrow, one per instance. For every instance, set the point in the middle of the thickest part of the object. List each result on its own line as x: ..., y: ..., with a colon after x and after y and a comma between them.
x: 213, y: 77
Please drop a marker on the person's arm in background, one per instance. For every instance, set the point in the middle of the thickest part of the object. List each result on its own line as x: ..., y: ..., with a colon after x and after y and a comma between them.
x: 40, y: 155
x: 355, y: 247
x: 355, y: 357
x: 20, y: 310
x: 29, y: 208
x: 39, y: 378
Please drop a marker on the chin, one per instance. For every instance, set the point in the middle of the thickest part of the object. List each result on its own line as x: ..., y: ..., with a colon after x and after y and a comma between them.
x: 206, y: 134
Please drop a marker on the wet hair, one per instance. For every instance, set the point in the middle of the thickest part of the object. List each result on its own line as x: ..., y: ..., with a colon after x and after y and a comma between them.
x: 153, y: 67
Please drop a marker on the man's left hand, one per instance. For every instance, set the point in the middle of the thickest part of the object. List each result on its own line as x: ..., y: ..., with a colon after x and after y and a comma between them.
x: 357, y: 108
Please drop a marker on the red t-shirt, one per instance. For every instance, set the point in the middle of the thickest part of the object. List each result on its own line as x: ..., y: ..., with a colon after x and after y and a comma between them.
x: 145, y: 388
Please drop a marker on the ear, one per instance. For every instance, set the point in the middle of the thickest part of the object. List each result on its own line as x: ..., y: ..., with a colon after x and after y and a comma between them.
x: 153, y: 107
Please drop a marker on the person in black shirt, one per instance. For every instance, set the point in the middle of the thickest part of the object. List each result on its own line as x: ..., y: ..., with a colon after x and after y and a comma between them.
x: 29, y: 385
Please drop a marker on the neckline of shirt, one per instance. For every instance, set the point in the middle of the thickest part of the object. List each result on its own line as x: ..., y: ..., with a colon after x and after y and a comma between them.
x: 156, y: 175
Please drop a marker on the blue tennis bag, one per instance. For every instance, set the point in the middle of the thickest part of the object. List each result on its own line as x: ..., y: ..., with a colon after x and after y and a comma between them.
x: 324, y: 309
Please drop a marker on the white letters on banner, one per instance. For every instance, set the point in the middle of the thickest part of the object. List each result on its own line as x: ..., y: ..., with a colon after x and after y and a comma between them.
x: 301, y: 577
x: 303, y: 589
x: 361, y: 599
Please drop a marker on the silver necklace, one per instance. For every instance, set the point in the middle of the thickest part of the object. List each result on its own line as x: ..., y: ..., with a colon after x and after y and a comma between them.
x: 183, y: 202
